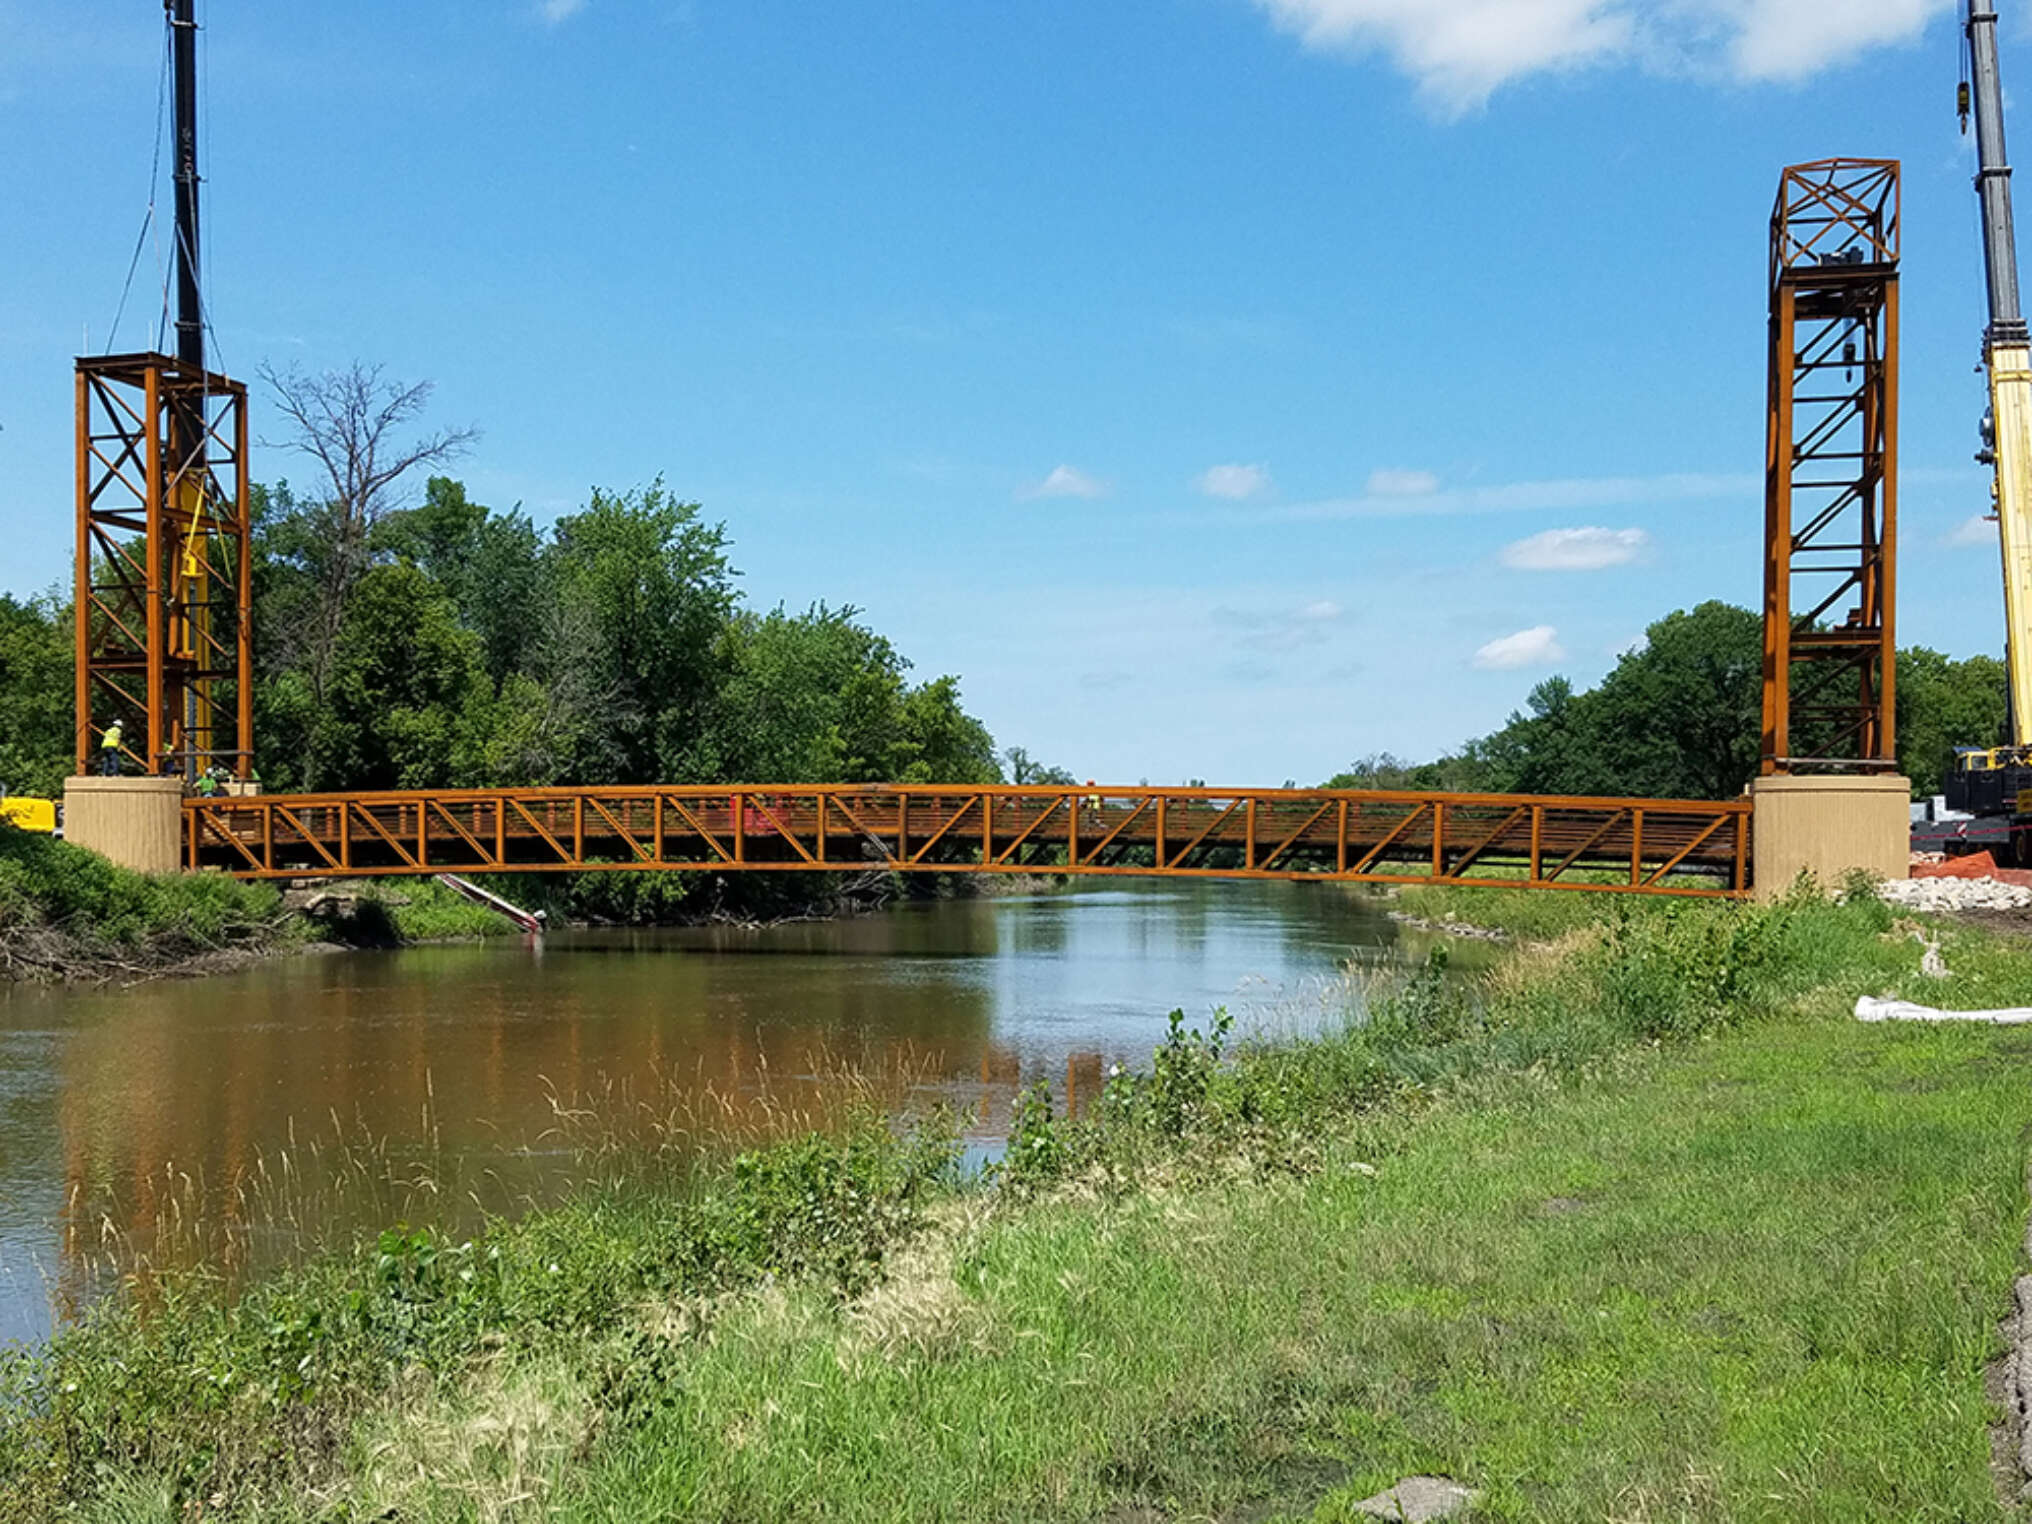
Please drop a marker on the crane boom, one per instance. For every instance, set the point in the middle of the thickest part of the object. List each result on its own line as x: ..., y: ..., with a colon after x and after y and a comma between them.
x: 2007, y: 352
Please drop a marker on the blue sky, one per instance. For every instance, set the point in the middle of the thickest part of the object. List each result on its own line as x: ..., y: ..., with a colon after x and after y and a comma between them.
x: 1222, y: 388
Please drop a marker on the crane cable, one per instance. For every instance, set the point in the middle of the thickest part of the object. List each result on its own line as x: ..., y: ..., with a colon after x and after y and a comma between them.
x: 148, y: 216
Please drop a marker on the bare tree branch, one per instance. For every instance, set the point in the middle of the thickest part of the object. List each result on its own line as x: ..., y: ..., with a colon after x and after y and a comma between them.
x: 349, y: 422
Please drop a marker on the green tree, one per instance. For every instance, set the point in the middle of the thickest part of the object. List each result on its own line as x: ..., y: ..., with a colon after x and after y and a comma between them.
x: 36, y: 697
x: 404, y: 693
x: 818, y: 697
x: 490, y: 564
x: 1024, y: 768
x: 638, y: 593
x: 939, y: 742
x: 1942, y: 704
x: 1681, y: 716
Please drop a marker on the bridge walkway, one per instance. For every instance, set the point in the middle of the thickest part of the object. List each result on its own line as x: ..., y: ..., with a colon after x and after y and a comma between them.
x: 1651, y: 846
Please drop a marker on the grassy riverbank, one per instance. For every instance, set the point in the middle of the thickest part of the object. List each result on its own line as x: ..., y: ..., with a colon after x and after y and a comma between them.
x: 66, y: 913
x: 1642, y: 1226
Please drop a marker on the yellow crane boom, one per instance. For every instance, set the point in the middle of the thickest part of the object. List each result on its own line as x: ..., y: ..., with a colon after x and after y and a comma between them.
x: 2007, y: 352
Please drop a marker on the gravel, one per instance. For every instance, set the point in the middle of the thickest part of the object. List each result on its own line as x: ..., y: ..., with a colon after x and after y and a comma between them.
x: 1952, y: 894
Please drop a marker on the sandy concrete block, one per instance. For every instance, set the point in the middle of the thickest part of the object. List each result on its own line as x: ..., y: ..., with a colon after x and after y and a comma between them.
x: 136, y: 822
x: 1828, y: 826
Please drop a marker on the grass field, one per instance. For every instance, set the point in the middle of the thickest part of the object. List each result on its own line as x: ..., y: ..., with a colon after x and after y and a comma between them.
x: 1752, y: 1280
x: 1641, y: 1226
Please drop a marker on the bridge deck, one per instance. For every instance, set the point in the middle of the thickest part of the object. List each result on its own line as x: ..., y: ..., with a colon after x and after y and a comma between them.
x: 1652, y: 846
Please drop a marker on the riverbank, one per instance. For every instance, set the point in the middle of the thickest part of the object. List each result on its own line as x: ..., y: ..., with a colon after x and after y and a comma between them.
x: 68, y: 914
x: 1640, y: 1226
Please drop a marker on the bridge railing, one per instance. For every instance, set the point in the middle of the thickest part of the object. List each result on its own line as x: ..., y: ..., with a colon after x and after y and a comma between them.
x: 1656, y: 846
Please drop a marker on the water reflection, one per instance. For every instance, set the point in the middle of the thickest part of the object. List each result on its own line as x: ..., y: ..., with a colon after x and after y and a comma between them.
x: 121, y: 1108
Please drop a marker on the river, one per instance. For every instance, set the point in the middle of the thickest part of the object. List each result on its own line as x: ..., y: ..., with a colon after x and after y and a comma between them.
x: 312, y: 1097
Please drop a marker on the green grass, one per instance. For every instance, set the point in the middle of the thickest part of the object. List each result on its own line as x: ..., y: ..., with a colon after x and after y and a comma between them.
x: 1755, y: 1280
x: 1532, y: 915
x: 1641, y: 1226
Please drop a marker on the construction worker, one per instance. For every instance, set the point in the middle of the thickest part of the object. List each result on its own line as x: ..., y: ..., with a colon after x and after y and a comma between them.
x: 208, y: 783
x: 109, y: 750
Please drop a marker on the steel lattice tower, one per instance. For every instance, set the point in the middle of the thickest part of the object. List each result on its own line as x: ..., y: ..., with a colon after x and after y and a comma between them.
x: 1831, y: 483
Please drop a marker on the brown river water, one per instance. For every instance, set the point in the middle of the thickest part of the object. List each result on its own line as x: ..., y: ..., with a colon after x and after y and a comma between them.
x: 310, y: 1098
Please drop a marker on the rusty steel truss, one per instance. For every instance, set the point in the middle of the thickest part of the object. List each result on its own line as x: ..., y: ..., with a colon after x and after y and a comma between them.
x: 164, y: 596
x: 1831, y: 484
x: 1654, y: 846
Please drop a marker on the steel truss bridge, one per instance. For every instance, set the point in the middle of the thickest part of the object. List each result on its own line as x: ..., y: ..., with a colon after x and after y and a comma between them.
x: 1647, y: 846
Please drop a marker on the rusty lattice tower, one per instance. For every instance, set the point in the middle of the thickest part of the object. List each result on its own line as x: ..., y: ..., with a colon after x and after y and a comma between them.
x: 1831, y: 492
x: 164, y: 606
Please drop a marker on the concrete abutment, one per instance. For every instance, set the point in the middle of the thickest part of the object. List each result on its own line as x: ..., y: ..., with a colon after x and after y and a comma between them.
x: 1828, y: 827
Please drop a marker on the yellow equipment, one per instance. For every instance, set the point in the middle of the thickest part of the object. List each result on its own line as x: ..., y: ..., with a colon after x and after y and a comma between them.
x: 29, y: 814
x: 1989, y: 781
x: 2007, y: 351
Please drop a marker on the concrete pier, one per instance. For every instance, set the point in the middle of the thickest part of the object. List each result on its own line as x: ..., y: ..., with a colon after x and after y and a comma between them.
x: 1828, y: 826
x: 137, y: 822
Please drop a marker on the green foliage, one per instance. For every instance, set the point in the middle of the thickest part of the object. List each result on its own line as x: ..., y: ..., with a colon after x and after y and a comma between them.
x: 1680, y: 717
x: 65, y: 910
x: 641, y: 590
x: 1024, y: 768
x: 1684, y: 974
x: 474, y: 650
x: 404, y: 676
x: 1467, y: 773
x: 818, y: 697
x: 390, y: 913
x: 1942, y: 704
x: 35, y: 695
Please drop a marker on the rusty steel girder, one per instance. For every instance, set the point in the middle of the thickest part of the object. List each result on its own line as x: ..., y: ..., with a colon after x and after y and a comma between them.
x: 164, y: 626
x: 1655, y: 846
x: 1831, y: 471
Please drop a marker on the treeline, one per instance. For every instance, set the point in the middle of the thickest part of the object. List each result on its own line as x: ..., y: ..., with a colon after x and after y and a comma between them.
x: 1680, y: 717
x: 466, y: 647
x: 474, y: 649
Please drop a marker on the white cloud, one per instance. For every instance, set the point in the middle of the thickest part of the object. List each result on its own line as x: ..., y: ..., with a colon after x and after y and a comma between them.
x: 1977, y: 529
x: 1235, y: 483
x: 1589, y: 549
x: 557, y: 11
x: 1390, y: 482
x: 1462, y: 51
x: 1536, y: 647
x: 1319, y: 612
x: 1785, y: 39
x: 1066, y: 481
x: 1569, y: 495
